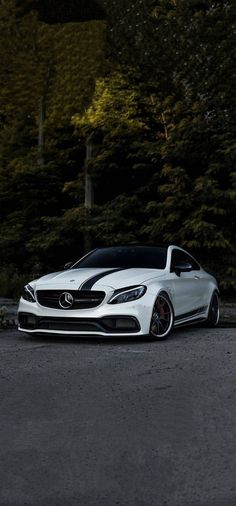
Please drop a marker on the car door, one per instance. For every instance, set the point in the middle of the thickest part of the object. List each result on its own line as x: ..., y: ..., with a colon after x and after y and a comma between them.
x: 187, y: 287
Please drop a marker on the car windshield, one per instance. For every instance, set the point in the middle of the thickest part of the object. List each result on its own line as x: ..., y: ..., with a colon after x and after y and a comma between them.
x: 147, y: 257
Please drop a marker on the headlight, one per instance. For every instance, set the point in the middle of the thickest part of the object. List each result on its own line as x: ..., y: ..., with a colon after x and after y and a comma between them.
x: 28, y: 293
x: 127, y: 294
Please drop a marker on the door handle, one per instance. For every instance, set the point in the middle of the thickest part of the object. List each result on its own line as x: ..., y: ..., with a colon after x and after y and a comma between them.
x: 196, y: 277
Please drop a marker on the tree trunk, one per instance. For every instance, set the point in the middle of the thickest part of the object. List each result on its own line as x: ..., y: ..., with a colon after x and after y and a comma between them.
x: 165, y: 125
x: 40, y: 160
x: 89, y: 195
x: 88, y: 198
x: 42, y: 116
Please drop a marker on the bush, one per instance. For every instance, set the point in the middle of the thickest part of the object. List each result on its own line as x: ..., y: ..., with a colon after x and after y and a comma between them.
x: 12, y: 282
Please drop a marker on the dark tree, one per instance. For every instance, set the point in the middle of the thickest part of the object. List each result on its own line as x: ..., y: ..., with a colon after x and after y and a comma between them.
x: 61, y: 11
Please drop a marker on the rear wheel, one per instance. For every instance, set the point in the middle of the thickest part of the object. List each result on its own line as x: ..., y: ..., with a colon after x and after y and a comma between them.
x: 214, y: 310
x: 162, y: 318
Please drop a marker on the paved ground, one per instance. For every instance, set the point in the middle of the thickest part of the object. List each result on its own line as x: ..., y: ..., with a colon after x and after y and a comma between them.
x: 129, y: 423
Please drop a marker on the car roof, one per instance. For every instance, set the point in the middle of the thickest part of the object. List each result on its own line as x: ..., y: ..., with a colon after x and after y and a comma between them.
x: 131, y: 245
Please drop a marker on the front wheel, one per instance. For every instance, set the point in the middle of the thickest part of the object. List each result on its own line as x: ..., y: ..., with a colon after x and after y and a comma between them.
x: 162, y: 318
x: 214, y: 310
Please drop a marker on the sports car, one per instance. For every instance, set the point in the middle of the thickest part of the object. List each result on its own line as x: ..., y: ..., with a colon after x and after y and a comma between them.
x: 123, y: 290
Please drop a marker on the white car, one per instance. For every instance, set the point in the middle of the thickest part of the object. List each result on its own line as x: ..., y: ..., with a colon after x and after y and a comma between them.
x: 119, y: 291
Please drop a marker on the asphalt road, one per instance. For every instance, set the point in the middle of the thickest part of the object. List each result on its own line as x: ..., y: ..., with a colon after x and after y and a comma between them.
x: 129, y: 423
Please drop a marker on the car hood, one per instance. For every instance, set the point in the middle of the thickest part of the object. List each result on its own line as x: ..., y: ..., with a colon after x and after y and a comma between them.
x: 96, y: 278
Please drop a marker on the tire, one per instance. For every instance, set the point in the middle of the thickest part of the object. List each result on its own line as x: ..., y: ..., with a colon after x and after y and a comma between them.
x: 214, y: 310
x: 162, y: 318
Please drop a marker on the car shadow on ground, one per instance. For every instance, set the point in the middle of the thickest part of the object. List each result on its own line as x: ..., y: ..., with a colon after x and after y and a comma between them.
x: 176, y: 334
x: 92, y: 340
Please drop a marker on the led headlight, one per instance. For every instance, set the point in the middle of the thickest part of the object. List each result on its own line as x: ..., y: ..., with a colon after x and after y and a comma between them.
x: 28, y: 293
x: 127, y: 294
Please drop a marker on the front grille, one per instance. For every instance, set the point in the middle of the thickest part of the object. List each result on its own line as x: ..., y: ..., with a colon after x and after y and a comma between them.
x: 105, y: 324
x: 70, y: 324
x: 82, y: 299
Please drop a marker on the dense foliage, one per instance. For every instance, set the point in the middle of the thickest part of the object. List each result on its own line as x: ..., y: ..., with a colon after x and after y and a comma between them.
x: 152, y: 92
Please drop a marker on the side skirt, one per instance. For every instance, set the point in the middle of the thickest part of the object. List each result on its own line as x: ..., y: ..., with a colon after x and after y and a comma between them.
x: 196, y: 316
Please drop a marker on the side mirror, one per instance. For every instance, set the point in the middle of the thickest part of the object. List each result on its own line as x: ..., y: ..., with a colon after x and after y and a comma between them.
x: 68, y: 265
x: 182, y: 267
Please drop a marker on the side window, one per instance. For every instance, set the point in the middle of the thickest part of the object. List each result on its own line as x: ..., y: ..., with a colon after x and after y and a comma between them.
x: 179, y: 256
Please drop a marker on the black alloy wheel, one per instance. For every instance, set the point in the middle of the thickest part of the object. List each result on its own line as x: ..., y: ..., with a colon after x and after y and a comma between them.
x: 214, y: 310
x: 162, y: 318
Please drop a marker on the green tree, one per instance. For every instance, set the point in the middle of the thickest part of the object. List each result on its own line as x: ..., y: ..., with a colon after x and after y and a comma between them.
x: 160, y: 116
x: 184, y: 52
x: 125, y: 158
x: 47, y: 74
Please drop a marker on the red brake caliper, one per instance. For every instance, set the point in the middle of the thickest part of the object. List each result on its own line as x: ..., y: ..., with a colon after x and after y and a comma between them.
x: 160, y: 309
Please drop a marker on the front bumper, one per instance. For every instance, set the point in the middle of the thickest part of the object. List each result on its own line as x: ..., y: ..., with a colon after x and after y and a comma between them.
x: 131, y: 318
x: 105, y: 325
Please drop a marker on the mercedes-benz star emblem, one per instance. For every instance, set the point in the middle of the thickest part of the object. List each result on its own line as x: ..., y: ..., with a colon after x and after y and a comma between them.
x: 66, y: 300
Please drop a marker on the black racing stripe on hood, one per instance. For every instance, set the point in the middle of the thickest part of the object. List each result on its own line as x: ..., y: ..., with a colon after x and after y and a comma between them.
x: 87, y: 285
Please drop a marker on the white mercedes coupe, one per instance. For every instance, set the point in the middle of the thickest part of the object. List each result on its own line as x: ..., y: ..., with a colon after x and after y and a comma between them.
x: 119, y: 291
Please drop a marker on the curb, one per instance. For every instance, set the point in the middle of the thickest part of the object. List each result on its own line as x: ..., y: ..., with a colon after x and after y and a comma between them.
x: 8, y: 314
x: 228, y: 314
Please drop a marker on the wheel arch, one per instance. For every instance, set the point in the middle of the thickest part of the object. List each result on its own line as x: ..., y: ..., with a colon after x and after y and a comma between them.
x: 214, y: 289
x: 163, y: 293
x: 210, y: 322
